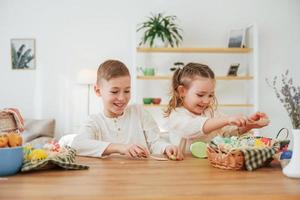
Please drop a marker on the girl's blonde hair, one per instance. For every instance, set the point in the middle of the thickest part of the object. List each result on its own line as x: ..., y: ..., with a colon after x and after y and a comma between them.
x: 184, y: 77
x: 111, y: 69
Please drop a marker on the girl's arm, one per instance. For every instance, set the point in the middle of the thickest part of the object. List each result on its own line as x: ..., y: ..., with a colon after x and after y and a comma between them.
x: 213, y: 124
x: 256, y: 120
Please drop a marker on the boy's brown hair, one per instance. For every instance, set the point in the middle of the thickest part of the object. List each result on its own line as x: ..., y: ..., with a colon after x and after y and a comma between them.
x: 111, y: 69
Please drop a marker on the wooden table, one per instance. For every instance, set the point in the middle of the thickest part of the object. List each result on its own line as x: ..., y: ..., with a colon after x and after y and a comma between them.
x: 118, y: 178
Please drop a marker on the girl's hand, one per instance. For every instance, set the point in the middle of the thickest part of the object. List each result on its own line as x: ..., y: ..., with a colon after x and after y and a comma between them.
x: 257, y: 120
x: 134, y: 151
x: 173, y: 152
x: 237, y: 120
x: 258, y: 116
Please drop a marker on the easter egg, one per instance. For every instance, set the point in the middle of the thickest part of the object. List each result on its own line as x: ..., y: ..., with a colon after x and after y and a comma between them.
x: 286, y: 155
x: 198, y: 149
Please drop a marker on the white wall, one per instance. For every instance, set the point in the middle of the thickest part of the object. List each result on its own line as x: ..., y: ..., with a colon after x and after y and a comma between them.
x: 73, y: 34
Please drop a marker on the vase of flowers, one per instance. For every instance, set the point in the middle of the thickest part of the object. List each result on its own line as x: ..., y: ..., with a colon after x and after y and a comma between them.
x: 160, y: 31
x: 289, y: 96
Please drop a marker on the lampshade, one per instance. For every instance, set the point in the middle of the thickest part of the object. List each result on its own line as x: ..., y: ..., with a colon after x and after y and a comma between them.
x: 87, y: 76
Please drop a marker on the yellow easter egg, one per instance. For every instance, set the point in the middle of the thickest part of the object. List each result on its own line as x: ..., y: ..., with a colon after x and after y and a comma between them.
x: 38, y: 154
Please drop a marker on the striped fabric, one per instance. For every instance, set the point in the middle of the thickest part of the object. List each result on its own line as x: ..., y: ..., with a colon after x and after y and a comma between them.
x: 65, y: 160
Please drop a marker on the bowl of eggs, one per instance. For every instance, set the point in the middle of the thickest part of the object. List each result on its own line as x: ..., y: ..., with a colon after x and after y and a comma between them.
x: 11, y: 153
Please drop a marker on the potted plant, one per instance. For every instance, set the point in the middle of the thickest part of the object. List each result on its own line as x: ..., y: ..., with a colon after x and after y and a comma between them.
x: 160, y: 27
x: 289, y: 96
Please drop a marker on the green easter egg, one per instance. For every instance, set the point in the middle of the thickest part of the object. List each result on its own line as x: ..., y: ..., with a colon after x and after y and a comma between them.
x: 198, y: 149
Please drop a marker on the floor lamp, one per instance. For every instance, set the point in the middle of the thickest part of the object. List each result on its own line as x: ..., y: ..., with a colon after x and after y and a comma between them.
x: 87, y: 77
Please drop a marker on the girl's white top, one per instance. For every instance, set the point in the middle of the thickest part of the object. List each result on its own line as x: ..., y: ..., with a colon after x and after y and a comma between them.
x: 182, y: 123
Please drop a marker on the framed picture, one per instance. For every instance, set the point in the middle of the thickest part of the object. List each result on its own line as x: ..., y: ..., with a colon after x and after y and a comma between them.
x: 233, y: 69
x: 23, y: 53
x: 236, y: 38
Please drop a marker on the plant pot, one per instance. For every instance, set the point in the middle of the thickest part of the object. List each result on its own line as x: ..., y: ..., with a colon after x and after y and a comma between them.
x: 156, y: 100
x: 147, y: 100
x: 292, y: 170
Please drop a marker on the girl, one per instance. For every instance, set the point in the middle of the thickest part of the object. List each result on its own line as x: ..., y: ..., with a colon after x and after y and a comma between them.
x: 122, y: 129
x: 192, y: 114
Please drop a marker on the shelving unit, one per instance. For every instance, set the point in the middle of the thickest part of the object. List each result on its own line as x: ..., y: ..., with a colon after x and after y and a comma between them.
x: 244, y: 85
x: 246, y: 77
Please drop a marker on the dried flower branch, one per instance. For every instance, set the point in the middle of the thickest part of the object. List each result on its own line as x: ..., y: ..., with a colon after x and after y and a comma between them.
x: 289, y: 96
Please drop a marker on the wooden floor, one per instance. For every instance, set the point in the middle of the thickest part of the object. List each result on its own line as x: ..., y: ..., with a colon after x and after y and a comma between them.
x: 119, y: 178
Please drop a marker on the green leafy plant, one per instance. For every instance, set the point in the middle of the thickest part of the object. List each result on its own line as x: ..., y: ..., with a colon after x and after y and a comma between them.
x: 289, y: 96
x: 21, y: 58
x: 163, y: 27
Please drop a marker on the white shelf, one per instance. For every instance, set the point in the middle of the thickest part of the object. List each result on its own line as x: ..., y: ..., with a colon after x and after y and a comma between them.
x: 194, y: 50
x: 228, y: 78
x: 219, y: 105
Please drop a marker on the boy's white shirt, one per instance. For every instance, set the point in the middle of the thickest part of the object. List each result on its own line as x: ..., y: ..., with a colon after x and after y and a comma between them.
x: 135, y: 126
x: 182, y: 123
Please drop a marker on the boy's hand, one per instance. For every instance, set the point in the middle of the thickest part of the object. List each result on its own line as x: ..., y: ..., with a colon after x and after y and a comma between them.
x: 173, y: 152
x: 134, y: 151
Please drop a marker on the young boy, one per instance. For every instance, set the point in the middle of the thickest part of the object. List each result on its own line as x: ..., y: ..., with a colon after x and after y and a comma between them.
x: 127, y: 130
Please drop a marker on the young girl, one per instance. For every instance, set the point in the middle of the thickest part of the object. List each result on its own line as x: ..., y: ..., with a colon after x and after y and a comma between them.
x: 127, y: 130
x: 192, y: 113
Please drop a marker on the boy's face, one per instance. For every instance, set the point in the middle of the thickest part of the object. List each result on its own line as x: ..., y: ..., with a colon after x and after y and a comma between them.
x: 198, y: 97
x: 115, y: 94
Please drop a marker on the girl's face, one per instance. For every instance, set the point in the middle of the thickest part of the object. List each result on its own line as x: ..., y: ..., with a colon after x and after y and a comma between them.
x: 115, y: 94
x: 199, y: 95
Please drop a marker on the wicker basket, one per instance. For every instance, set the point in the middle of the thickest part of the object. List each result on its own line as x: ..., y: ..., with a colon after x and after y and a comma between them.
x: 7, y: 122
x: 221, y: 157
x: 233, y: 160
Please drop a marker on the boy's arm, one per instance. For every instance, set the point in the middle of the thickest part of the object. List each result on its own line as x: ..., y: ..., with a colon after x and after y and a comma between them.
x: 113, y: 148
x: 88, y: 142
x: 151, y: 133
x: 130, y: 150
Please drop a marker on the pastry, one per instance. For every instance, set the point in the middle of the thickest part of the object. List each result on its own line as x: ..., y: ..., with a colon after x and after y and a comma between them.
x: 3, y: 140
x: 14, y: 139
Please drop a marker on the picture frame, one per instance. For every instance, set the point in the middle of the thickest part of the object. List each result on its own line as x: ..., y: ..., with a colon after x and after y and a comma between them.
x: 233, y: 69
x: 236, y: 38
x: 23, y: 55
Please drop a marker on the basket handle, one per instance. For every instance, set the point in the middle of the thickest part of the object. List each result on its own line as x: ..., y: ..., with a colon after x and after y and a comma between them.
x: 282, y: 130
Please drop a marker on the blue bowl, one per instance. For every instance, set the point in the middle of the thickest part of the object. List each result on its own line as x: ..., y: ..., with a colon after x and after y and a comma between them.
x: 11, y: 160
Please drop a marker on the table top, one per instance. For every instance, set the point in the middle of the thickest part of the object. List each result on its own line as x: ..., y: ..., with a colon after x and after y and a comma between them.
x: 116, y: 177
